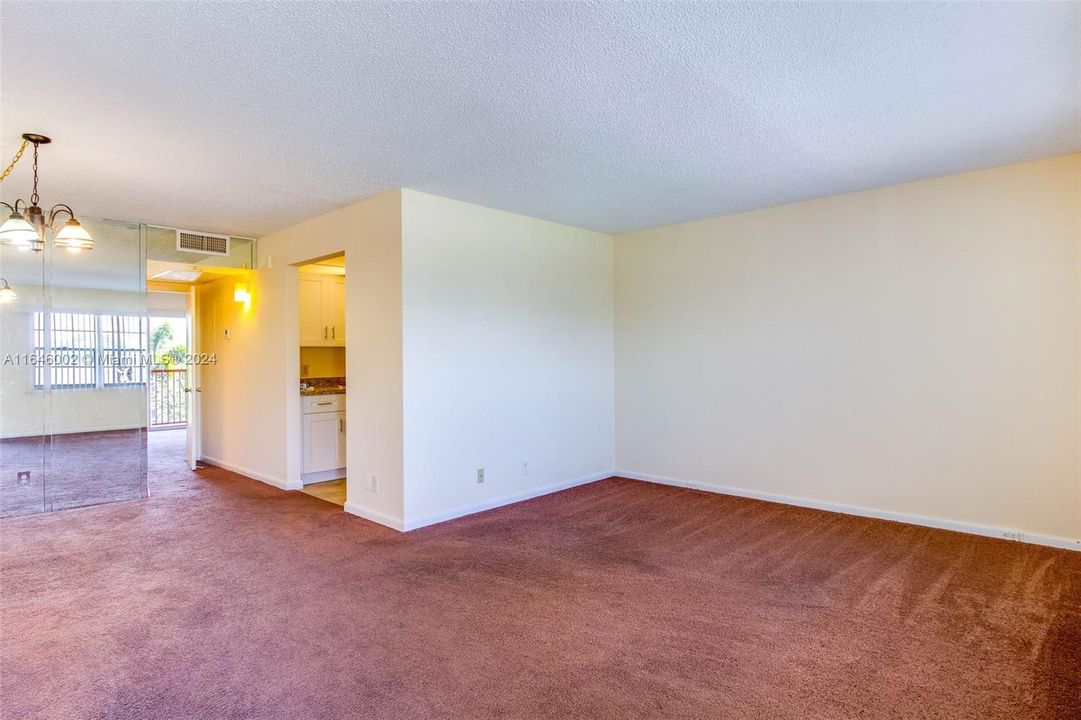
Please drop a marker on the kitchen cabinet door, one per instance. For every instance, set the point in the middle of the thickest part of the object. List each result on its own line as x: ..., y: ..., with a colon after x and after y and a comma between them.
x: 335, y: 305
x: 324, y: 441
x: 313, y: 329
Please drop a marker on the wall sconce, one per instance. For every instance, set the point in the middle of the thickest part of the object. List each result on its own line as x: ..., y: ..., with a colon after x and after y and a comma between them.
x: 241, y: 293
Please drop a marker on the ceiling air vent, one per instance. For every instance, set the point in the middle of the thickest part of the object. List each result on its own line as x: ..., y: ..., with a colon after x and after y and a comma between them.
x: 202, y: 243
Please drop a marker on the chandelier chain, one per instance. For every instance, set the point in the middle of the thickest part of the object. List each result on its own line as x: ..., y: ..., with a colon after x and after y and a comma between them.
x: 14, y: 160
x: 34, y: 195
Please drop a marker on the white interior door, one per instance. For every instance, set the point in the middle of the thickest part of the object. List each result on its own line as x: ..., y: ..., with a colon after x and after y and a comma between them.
x: 194, y: 388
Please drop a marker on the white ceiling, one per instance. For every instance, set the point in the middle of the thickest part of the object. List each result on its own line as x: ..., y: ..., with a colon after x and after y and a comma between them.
x: 246, y: 118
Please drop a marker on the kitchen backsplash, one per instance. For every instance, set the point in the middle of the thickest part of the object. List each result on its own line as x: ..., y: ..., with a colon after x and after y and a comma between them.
x: 322, y: 362
x: 322, y: 382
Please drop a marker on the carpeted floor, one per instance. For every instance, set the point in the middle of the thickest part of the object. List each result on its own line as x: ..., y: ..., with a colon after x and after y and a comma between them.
x: 71, y: 470
x: 220, y: 597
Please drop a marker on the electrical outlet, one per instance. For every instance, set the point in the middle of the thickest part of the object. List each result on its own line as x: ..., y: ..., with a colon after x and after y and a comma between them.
x: 373, y: 482
x: 480, y: 475
x: 525, y: 467
x: 304, y: 371
x: 23, y: 477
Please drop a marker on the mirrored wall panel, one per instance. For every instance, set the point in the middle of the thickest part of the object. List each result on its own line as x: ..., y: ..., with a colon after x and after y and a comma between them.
x: 22, y: 406
x: 184, y: 251
x: 74, y: 403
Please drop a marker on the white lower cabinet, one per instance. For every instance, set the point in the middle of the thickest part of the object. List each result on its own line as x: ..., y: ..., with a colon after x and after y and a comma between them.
x: 324, y: 437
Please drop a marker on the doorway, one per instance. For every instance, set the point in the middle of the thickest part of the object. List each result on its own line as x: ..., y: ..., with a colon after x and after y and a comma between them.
x: 169, y: 342
x: 322, y: 333
x: 172, y: 416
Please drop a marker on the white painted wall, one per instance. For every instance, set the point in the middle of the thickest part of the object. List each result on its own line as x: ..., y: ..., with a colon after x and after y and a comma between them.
x: 507, y: 328
x: 913, y: 349
x: 251, y: 401
x: 509, y: 356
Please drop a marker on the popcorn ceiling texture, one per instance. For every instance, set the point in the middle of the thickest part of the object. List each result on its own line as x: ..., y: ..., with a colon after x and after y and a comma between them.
x: 247, y: 118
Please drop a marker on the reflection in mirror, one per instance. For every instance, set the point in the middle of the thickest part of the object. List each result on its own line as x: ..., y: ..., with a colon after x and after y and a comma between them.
x: 96, y: 419
x: 163, y: 246
x: 22, y: 410
x: 83, y: 329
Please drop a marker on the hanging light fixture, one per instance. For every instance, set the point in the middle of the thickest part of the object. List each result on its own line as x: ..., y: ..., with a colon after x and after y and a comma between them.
x: 25, y: 228
x: 6, y: 293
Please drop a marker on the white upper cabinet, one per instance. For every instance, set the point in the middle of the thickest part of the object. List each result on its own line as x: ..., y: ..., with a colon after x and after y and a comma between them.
x: 335, y: 287
x: 311, y: 310
x: 322, y: 310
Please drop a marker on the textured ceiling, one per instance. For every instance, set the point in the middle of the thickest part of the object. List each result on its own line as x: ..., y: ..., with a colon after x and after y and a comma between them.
x: 246, y: 118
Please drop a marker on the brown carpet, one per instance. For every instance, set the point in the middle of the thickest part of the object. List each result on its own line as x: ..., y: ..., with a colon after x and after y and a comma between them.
x: 220, y: 597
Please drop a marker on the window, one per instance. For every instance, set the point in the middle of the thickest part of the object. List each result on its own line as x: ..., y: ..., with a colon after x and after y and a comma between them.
x: 123, y: 339
x: 86, y: 350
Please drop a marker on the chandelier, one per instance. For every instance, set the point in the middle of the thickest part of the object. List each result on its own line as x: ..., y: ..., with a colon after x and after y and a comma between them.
x: 25, y: 228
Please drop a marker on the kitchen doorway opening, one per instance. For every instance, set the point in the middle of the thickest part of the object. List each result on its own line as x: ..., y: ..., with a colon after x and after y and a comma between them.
x: 322, y: 387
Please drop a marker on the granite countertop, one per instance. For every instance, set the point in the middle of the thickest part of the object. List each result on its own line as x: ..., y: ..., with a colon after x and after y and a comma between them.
x: 322, y: 386
x: 323, y: 390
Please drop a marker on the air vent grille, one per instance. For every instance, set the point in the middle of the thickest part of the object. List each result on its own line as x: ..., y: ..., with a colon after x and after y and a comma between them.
x: 202, y: 243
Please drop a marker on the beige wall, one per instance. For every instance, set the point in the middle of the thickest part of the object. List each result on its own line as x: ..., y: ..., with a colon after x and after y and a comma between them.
x: 912, y: 349
x: 251, y: 401
x: 508, y: 326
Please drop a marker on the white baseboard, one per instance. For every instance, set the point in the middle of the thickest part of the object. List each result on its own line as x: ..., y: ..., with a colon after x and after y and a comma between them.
x: 322, y: 476
x: 77, y: 431
x: 461, y: 511
x: 281, y: 484
x: 374, y: 515
x: 933, y: 522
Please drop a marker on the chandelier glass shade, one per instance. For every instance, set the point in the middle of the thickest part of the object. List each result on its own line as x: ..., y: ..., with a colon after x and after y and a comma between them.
x: 73, y: 236
x: 17, y: 231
